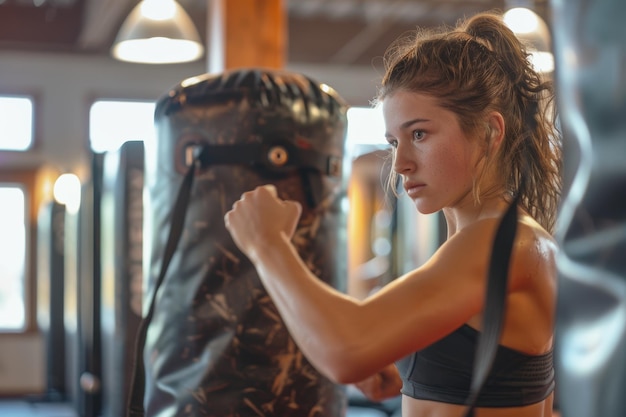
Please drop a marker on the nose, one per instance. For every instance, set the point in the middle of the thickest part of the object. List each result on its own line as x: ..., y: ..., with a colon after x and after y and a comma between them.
x: 403, y: 162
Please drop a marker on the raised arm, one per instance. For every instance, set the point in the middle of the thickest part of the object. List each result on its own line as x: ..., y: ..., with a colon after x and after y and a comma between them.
x: 347, y: 339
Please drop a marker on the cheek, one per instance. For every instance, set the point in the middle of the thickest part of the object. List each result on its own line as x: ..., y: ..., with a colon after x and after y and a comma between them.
x: 452, y: 165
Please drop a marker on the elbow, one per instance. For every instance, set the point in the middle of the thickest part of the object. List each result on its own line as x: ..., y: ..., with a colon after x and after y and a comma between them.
x: 348, y: 368
x: 343, y: 375
x: 346, y: 376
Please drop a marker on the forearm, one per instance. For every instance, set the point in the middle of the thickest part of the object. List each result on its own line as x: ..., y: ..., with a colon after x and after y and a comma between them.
x: 326, y: 324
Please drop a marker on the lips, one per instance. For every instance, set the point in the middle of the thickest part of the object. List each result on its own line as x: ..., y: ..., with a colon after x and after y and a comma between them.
x: 413, y: 188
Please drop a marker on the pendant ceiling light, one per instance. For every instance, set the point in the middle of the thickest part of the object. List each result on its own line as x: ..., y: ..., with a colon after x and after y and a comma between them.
x: 158, y: 32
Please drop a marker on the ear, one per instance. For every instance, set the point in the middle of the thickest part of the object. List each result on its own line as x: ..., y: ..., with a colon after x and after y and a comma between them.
x: 496, y: 128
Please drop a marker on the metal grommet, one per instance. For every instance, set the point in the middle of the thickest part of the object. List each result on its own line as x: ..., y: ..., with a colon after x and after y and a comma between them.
x: 191, y: 151
x: 334, y: 166
x: 278, y: 156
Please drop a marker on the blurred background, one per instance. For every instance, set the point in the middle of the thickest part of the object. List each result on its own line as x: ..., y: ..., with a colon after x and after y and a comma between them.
x: 73, y: 118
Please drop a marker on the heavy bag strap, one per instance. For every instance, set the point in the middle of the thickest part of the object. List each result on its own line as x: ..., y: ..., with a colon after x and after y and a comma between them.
x: 137, y: 390
x: 276, y: 155
x: 495, y: 304
x: 279, y: 156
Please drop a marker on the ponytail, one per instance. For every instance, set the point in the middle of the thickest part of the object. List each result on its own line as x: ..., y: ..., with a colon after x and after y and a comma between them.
x: 477, y: 68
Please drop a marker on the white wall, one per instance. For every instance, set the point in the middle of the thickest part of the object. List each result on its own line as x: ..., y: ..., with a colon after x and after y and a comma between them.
x: 22, y: 364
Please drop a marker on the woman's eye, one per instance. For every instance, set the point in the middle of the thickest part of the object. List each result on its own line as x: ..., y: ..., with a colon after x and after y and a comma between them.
x: 393, y: 143
x: 418, y: 134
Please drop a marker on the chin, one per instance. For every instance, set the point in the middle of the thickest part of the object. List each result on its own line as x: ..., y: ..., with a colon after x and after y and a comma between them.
x: 424, y: 208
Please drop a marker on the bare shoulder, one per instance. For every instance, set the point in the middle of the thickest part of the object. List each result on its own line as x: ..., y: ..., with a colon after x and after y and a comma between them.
x: 467, y: 252
x: 474, y: 241
x: 532, y: 289
x: 532, y: 279
x: 450, y: 287
x: 534, y: 250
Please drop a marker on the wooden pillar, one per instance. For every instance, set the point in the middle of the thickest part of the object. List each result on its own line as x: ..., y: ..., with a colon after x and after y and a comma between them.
x: 246, y: 33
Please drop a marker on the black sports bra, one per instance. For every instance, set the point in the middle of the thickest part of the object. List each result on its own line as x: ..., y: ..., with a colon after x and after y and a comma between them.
x: 443, y: 372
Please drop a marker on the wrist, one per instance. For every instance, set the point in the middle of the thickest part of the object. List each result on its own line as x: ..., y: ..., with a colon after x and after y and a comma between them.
x: 270, y: 247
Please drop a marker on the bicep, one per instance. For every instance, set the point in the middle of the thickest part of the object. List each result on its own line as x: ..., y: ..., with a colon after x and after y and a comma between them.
x: 426, y: 304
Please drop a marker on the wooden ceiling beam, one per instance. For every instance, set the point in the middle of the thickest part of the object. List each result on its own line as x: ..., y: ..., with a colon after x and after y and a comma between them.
x: 44, y: 25
x: 246, y: 33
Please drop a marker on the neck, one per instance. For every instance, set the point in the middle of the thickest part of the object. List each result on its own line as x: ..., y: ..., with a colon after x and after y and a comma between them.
x: 457, y: 218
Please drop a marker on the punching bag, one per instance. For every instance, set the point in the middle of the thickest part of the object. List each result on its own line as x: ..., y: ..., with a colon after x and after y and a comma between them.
x: 216, y: 345
x: 590, y: 348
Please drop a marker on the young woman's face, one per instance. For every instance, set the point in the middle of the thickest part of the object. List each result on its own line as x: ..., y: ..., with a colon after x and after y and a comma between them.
x: 435, y: 159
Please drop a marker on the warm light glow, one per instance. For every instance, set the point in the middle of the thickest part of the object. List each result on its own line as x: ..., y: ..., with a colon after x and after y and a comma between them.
x: 158, y: 9
x: 187, y: 82
x: 530, y: 28
x: 521, y: 20
x: 67, y: 192
x: 158, y: 50
x: 542, y: 61
x: 158, y: 32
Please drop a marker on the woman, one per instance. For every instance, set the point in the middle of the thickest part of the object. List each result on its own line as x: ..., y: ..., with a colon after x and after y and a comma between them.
x: 466, y: 118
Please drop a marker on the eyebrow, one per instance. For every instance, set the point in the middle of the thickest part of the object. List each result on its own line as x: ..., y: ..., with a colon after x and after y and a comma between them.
x: 407, y: 124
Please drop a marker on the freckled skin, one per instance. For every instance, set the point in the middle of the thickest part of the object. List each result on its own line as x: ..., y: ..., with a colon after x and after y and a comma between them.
x: 444, y: 160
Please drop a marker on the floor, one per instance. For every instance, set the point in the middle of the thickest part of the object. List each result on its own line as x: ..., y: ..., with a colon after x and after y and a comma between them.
x: 14, y: 408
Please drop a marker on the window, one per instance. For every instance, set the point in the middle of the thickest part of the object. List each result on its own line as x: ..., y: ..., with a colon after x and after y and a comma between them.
x: 13, y: 259
x: 16, y: 123
x: 113, y: 122
x: 366, y: 126
x: 366, y: 129
x: 16, y: 134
